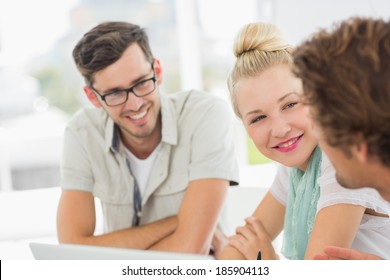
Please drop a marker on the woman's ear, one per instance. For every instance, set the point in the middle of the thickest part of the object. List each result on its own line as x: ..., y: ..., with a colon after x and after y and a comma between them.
x: 91, y: 95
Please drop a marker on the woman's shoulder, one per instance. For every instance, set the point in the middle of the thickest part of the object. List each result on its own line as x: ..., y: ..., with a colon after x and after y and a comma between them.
x: 331, y: 192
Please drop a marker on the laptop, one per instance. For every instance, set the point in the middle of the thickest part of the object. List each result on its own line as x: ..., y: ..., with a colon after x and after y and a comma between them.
x: 43, y: 251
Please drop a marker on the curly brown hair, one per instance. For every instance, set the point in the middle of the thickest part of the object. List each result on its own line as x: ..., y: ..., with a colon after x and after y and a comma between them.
x: 104, y: 44
x: 346, y: 81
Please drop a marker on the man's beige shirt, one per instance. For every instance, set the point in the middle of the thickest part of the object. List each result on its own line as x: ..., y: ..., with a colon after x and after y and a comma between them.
x: 197, y: 143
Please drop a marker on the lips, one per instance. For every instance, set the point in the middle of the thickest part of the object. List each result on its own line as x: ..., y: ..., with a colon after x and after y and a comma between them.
x: 138, y: 116
x: 289, y: 145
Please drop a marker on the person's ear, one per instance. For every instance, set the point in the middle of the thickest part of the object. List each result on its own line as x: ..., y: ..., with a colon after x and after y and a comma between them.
x: 91, y: 95
x: 361, y: 152
x: 158, y: 71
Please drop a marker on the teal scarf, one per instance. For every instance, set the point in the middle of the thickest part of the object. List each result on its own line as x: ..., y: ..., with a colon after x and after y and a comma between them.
x: 301, y: 207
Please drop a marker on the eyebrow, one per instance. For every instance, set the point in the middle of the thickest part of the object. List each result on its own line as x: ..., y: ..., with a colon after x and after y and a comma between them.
x: 287, y: 95
x: 132, y: 84
x: 111, y: 90
x: 279, y: 100
x: 253, y: 112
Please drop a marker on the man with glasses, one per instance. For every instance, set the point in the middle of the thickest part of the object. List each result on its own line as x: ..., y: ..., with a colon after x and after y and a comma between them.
x: 160, y: 164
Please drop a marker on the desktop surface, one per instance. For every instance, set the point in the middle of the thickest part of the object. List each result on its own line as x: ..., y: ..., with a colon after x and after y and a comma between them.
x: 42, y: 251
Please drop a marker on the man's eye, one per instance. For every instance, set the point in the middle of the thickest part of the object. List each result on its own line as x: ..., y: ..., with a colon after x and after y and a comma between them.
x: 115, y: 94
x: 142, y: 84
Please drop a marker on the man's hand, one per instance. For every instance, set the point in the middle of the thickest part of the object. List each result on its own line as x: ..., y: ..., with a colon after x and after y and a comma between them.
x: 76, y: 225
x: 197, y: 218
x: 338, y: 253
x: 218, y: 243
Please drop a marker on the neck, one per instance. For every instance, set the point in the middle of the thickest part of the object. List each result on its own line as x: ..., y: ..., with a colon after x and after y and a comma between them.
x: 142, y: 147
x: 378, y: 177
x: 383, y: 183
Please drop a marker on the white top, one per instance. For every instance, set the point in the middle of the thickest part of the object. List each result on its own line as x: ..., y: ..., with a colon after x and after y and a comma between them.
x: 141, y: 168
x: 373, y: 235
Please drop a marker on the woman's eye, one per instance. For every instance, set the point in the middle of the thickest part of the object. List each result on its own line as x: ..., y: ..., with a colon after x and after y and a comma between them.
x: 259, y: 118
x: 290, y: 105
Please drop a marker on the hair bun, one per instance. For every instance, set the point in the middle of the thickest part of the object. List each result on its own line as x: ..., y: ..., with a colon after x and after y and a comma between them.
x: 263, y: 37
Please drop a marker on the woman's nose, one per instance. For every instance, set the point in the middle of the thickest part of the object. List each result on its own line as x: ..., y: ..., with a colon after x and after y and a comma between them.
x: 280, y: 128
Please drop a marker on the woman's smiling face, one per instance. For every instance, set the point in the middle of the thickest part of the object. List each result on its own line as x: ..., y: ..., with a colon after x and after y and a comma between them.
x: 274, y: 116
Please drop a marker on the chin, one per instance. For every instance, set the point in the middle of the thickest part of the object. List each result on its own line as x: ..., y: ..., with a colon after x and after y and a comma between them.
x: 345, y: 184
x: 298, y: 163
x: 288, y: 163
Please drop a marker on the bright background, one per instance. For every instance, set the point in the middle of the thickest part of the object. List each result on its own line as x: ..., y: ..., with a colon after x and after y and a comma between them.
x: 40, y: 87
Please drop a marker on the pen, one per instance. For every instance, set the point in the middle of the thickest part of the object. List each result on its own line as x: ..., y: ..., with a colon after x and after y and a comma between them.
x: 259, y: 255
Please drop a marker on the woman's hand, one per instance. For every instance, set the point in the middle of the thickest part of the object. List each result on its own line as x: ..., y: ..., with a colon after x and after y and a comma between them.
x: 251, y: 238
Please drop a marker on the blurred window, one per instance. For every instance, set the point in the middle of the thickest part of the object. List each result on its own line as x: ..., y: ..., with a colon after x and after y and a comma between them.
x: 41, y: 88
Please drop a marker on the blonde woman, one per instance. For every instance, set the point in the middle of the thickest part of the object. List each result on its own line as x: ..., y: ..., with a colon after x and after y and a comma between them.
x: 305, y: 200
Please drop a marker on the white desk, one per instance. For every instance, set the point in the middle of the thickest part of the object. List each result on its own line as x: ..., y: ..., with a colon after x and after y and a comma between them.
x: 30, y: 216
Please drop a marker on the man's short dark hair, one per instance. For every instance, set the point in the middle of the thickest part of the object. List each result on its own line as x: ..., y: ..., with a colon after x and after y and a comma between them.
x: 104, y: 44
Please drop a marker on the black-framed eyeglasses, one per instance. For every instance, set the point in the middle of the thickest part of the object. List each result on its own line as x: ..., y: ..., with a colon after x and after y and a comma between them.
x: 139, y: 89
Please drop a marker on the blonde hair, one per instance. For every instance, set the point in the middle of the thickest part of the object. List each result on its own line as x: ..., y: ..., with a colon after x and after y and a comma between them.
x: 257, y: 47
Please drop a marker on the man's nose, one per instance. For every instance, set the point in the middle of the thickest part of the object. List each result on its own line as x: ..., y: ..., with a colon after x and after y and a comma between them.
x: 133, y: 102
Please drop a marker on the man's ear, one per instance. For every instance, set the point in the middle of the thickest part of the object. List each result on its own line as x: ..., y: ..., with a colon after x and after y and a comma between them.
x: 158, y: 71
x: 361, y: 151
x: 91, y: 95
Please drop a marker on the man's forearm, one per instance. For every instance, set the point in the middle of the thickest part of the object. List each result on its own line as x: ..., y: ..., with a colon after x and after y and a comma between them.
x: 141, y: 237
x: 231, y: 253
x: 179, y: 243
